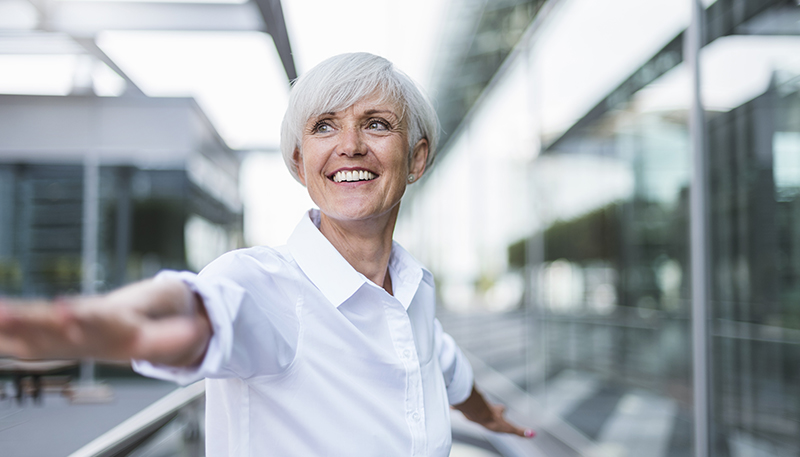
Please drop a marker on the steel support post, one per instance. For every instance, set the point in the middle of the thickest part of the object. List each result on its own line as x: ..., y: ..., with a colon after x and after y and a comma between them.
x: 91, y: 191
x: 698, y: 228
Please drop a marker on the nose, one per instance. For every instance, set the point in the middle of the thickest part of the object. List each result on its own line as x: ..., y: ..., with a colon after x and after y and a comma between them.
x: 351, y: 143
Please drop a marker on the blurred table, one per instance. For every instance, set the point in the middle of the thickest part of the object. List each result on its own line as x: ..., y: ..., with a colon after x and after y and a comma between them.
x: 33, y: 369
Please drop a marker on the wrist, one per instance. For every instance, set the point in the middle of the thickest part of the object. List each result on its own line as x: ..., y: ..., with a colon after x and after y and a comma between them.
x: 475, y: 408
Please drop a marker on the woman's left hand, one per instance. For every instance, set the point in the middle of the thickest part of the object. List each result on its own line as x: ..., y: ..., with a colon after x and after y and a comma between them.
x: 490, y: 416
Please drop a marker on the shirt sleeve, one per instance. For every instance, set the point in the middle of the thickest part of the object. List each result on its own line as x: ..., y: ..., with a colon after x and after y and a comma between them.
x: 456, y: 369
x: 252, y: 314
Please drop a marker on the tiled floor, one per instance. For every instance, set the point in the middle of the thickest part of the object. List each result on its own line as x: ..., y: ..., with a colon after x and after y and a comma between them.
x: 56, y: 428
x: 619, y: 422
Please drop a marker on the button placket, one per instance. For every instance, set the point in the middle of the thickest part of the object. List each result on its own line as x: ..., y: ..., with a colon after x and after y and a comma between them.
x: 403, y: 339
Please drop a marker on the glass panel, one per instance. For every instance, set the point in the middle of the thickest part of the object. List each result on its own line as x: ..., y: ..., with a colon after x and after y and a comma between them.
x: 600, y: 237
x: 10, y: 268
x: 612, y: 284
x: 754, y: 152
x: 585, y: 50
x: 592, y: 224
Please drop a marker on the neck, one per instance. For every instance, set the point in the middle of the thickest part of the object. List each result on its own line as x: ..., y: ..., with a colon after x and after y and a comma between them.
x: 365, y: 244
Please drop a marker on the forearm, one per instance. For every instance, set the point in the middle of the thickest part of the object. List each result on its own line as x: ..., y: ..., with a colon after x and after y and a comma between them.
x: 174, y: 328
x: 155, y: 320
x: 475, y: 407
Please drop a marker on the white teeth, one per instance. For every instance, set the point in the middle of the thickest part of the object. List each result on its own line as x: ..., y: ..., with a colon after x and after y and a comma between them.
x: 352, y: 176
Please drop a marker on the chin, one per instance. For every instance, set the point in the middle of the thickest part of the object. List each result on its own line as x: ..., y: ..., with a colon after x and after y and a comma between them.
x: 357, y: 212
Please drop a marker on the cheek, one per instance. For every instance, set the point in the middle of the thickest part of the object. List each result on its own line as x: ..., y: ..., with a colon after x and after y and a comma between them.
x: 311, y: 161
x: 399, y: 156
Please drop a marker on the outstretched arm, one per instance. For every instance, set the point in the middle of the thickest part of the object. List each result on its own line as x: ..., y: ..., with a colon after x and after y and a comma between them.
x: 159, y: 320
x: 477, y: 409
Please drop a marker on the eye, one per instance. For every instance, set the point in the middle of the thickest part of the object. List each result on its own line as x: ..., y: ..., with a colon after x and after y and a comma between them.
x: 321, y: 127
x: 377, y: 124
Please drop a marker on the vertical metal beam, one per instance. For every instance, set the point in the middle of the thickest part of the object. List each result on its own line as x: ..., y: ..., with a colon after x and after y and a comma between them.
x: 698, y: 228
x: 91, y: 194
x: 536, y: 331
x: 124, y: 218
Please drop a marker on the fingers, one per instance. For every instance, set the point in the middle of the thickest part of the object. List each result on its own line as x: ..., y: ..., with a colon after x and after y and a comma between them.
x: 11, y: 346
x: 32, y: 330
x: 161, y: 321
x: 523, y: 432
x: 502, y: 425
x: 64, y: 329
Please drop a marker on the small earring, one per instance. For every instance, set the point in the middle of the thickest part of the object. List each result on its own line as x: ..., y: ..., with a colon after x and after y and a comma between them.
x: 410, y: 178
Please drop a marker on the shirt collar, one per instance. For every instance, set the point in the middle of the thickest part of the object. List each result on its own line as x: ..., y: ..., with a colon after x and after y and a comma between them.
x: 336, y: 278
x: 407, y: 274
x: 321, y: 262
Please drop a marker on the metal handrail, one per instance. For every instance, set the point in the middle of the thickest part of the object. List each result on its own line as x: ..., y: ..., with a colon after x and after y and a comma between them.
x: 522, y: 408
x: 555, y: 436
x: 136, y: 429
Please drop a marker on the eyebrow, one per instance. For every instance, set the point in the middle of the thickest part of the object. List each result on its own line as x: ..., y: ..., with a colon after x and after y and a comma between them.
x: 380, y: 111
x: 368, y: 112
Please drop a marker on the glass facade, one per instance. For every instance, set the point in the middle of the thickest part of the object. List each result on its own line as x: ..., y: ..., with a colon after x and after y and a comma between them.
x: 753, y: 152
x: 558, y: 224
x: 148, y: 220
x: 165, y: 186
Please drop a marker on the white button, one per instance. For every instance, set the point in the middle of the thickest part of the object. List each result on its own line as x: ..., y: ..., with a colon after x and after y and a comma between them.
x: 415, y: 416
x: 407, y: 353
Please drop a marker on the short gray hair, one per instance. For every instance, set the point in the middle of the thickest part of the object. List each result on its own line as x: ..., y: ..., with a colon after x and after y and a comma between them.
x: 340, y: 82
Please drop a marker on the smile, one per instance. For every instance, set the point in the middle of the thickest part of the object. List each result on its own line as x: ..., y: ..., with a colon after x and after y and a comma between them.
x: 353, y: 176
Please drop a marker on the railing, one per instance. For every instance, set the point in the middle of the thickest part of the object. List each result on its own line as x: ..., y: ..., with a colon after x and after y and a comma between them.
x: 173, y: 425
x: 175, y: 421
x: 554, y: 436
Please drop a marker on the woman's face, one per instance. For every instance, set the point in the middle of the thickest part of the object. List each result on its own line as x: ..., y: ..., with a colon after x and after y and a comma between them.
x: 354, y: 162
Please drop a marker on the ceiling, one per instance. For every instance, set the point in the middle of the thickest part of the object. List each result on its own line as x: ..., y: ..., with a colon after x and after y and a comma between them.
x: 237, y: 57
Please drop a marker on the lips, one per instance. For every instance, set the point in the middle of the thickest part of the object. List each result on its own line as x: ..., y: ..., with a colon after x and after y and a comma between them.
x: 352, y: 176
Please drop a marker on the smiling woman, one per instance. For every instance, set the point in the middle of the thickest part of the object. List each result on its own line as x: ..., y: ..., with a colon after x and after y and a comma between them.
x: 368, y: 138
x: 325, y: 346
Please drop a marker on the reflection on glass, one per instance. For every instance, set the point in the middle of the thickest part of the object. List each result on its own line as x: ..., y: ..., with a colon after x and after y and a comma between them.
x: 755, y: 181
x: 602, y: 335
x: 612, y: 285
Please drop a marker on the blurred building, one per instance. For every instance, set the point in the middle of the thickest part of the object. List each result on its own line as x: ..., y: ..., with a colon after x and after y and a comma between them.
x: 562, y: 198
x: 167, y: 190
x: 106, y: 180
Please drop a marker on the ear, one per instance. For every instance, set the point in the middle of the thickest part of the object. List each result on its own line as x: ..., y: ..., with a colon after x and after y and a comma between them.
x: 419, y: 158
x: 297, y: 158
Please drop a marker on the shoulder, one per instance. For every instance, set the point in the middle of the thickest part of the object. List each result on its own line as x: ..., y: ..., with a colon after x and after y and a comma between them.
x: 264, y: 278
x: 244, y: 265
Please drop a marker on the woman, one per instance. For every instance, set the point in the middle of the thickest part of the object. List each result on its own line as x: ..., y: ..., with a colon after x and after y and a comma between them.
x: 325, y: 346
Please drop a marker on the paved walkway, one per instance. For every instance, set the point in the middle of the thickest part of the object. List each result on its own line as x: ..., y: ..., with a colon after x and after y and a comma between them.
x: 621, y: 422
x: 56, y: 428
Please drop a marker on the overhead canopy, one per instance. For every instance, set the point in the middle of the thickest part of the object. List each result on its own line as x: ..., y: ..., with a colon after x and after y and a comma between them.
x: 234, y: 58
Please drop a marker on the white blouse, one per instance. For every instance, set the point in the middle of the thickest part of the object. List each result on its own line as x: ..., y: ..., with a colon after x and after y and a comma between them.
x: 311, y: 358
